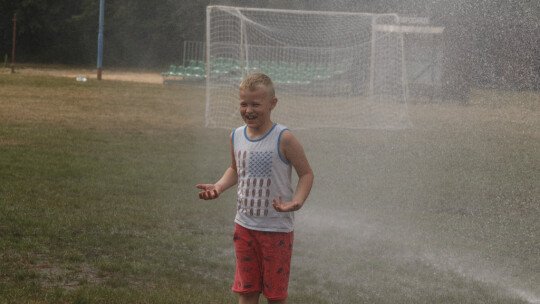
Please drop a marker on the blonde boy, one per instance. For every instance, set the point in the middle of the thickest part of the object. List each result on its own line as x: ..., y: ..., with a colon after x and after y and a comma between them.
x: 263, y: 153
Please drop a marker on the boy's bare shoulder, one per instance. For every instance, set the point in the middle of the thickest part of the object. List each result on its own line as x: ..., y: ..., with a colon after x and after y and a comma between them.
x: 286, y: 135
x: 288, y: 139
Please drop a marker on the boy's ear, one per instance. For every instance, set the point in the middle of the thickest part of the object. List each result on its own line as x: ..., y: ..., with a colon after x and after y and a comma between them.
x: 273, y: 103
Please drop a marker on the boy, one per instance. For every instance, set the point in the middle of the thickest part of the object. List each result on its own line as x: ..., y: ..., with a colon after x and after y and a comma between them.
x: 263, y: 153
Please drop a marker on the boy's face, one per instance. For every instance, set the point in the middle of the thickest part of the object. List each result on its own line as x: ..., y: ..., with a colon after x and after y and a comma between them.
x: 255, y: 107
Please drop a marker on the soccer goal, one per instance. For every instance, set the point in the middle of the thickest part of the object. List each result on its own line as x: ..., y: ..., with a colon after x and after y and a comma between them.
x: 331, y: 69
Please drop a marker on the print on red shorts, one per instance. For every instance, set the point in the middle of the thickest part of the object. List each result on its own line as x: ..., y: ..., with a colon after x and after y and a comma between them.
x: 263, y: 262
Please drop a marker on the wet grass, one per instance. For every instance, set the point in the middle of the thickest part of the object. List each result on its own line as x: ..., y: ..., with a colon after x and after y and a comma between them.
x: 97, y: 201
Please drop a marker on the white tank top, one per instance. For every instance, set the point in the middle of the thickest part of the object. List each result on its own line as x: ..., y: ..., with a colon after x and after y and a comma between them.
x: 263, y: 174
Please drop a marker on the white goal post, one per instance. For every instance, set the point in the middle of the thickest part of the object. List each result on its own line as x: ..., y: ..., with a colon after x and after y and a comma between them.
x: 330, y: 69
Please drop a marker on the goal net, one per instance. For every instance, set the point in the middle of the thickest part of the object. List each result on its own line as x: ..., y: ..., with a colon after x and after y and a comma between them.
x: 330, y: 69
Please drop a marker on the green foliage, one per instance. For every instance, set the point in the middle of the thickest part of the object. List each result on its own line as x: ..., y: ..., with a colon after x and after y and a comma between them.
x: 135, y: 33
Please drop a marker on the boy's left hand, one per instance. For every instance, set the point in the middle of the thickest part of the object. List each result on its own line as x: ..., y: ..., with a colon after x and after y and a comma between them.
x: 287, y: 207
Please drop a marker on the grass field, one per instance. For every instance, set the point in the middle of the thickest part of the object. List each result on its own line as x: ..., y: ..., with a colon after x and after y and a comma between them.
x: 98, y: 201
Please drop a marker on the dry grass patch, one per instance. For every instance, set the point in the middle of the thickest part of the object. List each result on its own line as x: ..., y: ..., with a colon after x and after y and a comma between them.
x: 106, y: 105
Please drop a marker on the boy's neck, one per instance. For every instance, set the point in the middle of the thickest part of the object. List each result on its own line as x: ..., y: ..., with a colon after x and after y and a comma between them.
x: 256, y: 133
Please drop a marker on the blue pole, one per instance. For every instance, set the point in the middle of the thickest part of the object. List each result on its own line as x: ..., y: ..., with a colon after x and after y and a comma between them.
x: 100, y: 38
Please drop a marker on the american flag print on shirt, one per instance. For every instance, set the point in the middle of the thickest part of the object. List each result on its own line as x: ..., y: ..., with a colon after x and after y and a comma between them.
x: 254, y: 188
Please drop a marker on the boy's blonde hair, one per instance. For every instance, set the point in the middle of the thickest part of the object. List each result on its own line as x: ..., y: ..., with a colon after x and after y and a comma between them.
x: 254, y: 80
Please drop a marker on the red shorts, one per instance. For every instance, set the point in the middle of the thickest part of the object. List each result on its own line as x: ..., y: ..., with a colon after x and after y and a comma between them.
x: 263, y: 261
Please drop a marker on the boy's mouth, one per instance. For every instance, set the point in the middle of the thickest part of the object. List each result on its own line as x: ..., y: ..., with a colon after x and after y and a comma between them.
x: 251, y: 117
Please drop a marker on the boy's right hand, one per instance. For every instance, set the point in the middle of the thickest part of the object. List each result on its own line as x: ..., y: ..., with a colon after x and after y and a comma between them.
x: 209, y: 192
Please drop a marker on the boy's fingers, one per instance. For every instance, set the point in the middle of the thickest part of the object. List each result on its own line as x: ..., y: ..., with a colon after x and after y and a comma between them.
x: 278, y: 207
x: 285, y: 207
x: 203, y: 195
x: 209, y: 194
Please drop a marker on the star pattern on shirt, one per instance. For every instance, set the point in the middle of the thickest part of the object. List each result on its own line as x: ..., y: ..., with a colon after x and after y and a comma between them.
x: 260, y: 164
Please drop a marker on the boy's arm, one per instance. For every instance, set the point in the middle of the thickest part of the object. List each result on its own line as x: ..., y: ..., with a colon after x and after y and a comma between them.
x: 229, y: 179
x: 294, y: 153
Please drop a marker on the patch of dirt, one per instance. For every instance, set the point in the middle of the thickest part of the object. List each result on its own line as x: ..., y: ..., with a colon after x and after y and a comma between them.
x: 8, y: 142
x: 143, y: 77
x: 54, y: 276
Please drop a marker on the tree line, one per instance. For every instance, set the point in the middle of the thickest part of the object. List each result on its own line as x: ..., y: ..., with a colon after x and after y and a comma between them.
x: 137, y: 33
x: 150, y: 34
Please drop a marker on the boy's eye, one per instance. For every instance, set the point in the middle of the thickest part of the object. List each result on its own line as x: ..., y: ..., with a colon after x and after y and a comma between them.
x: 244, y: 105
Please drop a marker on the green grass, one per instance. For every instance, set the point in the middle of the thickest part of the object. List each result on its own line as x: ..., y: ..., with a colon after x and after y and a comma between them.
x: 98, y: 204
